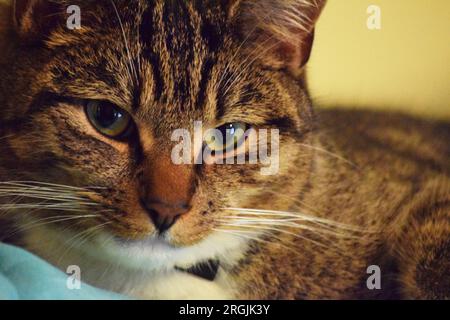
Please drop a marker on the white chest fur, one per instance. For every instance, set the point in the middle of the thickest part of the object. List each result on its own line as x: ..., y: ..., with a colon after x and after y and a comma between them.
x: 142, y: 269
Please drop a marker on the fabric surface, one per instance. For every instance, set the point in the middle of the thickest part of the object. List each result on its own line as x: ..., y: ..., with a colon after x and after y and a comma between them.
x: 26, y: 277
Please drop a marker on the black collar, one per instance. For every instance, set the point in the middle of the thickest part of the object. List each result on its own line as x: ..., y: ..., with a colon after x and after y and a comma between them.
x: 206, y: 269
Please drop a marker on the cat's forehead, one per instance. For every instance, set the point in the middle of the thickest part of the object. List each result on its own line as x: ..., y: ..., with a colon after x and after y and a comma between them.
x: 156, y: 57
x: 175, y: 61
x: 181, y: 43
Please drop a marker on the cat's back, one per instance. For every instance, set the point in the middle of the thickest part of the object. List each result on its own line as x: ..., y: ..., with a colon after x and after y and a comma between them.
x: 392, y: 144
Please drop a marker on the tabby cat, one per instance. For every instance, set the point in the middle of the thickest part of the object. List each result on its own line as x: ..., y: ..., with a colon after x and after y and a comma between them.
x: 87, y: 179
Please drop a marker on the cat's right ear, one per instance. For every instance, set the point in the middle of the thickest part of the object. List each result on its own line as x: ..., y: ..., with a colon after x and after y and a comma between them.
x: 35, y: 19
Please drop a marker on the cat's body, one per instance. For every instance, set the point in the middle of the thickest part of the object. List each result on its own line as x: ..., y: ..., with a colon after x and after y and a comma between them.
x: 355, y: 189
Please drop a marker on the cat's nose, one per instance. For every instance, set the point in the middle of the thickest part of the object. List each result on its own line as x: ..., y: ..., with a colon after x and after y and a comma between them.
x: 166, y: 190
x: 164, y: 215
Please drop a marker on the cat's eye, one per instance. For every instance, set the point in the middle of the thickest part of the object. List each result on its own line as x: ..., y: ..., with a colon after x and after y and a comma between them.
x: 227, y: 137
x: 108, y: 119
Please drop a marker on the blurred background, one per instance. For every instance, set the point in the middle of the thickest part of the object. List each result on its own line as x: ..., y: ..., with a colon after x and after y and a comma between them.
x: 403, y: 66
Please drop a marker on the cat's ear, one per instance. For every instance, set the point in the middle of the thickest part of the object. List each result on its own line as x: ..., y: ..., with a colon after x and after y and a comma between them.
x: 35, y: 19
x: 280, y: 32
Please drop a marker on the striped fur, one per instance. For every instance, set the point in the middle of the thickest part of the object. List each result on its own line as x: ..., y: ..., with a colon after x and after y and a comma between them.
x: 354, y: 188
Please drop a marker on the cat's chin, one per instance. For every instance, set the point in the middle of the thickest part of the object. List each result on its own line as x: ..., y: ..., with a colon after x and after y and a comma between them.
x: 159, y: 253
x: 154, y: 254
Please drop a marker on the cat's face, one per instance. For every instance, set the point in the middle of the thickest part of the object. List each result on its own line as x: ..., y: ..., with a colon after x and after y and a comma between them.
x: 95, y: 109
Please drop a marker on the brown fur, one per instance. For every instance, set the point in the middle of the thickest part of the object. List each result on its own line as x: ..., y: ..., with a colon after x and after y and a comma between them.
x: 386, y: 174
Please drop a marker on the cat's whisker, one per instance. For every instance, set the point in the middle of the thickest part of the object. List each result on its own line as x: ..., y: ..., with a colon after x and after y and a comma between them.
x: 55, y: 198
x: 38, y: 223
x: 53, y: 194
x: 237, y: 51
x: 48, y: 201
x: 77, y: 239
x: 291, y: 223
x: 302, y: 205
x: 249, y: 235
x: 56, y: 218
x: 237, y: 221
x: 33, y: 208
x: 247, y: 63
x: 37, y: 192
x: 256, y: 53
x: 240, y: 66
x: 262, y: 224
x: 296, y: 235
x: 7, y: 137
x: 274, y: 213
x: 329, y: 153
x: 50, y: 186
x: 298, y: 202
x: 323, y: 225
x: 44, y: 196
x: 328, y: 245
x: 91, y: 232
x: 290, y: 214
x: 132, y: 68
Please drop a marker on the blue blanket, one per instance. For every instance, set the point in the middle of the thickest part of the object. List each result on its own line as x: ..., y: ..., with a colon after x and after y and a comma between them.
x: 25, y: 276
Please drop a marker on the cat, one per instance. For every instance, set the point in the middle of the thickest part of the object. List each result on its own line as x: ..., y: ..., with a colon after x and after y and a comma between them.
x: 86, y: 176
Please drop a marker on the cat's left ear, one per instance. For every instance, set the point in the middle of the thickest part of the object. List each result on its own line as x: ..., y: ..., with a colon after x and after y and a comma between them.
x: 280, y: 32
x: 35, y: 19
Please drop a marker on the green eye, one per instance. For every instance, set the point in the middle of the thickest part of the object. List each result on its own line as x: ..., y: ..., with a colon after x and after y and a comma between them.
x: 226, y: 137
x: 108, y: 119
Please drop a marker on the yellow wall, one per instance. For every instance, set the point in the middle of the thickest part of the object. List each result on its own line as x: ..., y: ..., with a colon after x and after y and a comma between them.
x: 404, y: 66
